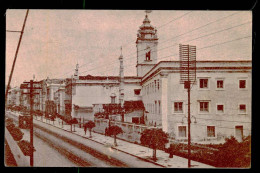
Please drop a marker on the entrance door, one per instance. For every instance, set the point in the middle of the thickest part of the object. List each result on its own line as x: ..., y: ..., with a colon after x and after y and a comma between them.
x: 239, y: 133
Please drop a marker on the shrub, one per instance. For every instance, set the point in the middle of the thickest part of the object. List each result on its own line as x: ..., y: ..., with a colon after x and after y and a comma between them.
x: 234, y: 154
x: 16, y: 133
x: 25, y: 147
x: 8, y: 121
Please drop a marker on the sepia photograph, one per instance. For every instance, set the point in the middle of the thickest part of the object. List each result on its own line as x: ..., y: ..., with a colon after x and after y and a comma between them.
x: 128, y: 88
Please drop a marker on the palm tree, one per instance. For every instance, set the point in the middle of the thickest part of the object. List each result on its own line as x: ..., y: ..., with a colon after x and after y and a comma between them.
x: 114, y: 130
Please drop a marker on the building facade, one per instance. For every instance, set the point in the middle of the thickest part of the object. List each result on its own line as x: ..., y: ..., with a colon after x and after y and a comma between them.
x: 220, y: 99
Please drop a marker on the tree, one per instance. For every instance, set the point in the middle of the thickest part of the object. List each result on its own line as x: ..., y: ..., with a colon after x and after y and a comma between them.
x: 71, y: 122
x: 154, y: 138
x: 233, y: 153
x: 114, y: 130
x: 89, y: 125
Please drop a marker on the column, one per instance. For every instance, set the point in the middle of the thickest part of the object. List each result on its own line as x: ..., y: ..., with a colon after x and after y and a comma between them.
x: 164, y: 101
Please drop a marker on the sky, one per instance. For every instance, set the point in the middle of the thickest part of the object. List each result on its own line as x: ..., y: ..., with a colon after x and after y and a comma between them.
x: 54, y: 41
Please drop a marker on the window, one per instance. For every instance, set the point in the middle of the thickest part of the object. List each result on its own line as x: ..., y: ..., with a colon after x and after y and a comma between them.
x: 203, y: 83
x: 137, y: 92
x: 220, y: 108
x: 113, y: 99
x: 210, y: 131
x: 155, y: 106
x: 159, y: 105
x: 148, y: 56
x: 178, y: 107
x: 136, y: 120
x: 242, y: 83
x: 155, y: 86
x: 242, y: 108
x: 182, y: 131
x: 158, y: 86
x: 220, y: 84
x: 204, y: 106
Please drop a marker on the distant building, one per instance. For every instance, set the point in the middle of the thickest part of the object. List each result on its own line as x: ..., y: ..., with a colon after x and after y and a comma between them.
x: 13, y: 97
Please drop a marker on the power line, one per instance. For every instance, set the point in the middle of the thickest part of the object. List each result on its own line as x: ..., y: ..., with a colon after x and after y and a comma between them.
x: 201, y: 26
x: 173, y: 20
x: 191, y: 30
x: 187, y: 40
x: 207, y: 47
x: 164, y: 25
x: 157, y: 27
x: 16, y: 54
x: 129, y: 65
x: 176, y: 37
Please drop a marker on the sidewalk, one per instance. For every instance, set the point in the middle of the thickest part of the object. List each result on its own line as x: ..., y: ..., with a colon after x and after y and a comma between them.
x: 130, y: 148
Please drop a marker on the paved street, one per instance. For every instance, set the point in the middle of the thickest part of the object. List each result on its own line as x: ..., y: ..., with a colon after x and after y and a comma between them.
x: 95, y: 150
x: 93, y: 153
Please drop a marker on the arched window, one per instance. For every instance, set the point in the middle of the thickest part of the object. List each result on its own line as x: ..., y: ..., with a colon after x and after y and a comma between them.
x: 148, y: 54
x: 113, y: 98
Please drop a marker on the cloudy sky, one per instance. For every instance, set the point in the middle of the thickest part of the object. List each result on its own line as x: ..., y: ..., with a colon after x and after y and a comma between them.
x: 55, y: 40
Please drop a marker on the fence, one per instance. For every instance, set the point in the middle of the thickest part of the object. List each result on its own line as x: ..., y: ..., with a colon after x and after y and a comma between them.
x: 132, y: 132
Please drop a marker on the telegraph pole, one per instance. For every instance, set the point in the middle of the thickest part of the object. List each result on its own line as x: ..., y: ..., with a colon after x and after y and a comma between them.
x: 31, y: 93
x: 16, y: 53
x: 31, y: 126
x: 188, y: 75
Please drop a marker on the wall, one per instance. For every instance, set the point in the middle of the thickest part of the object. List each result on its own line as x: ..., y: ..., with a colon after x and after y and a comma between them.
x: 231, y: 96
x: 132, y: 132
x: 149, y: 98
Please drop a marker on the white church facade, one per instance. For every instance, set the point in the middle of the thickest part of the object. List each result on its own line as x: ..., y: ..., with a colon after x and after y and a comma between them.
x: 220, y: 99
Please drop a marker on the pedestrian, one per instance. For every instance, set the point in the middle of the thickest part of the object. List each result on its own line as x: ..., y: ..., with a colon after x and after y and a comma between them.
x: 85, y: 128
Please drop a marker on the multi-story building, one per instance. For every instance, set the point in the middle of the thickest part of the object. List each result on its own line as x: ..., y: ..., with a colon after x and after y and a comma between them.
x: 25, y: 95
x: 13, y: 97
x: 59, y: 97
x: 220, y: 98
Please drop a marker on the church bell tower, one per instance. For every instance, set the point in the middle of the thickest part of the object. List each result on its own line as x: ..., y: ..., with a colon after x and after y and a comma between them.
x: 146, y: 44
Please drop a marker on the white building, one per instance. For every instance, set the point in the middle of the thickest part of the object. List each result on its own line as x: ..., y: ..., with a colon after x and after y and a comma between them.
x: 220, y: 99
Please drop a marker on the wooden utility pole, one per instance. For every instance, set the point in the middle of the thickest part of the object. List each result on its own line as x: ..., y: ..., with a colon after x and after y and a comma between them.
x: 188, y: 76
x: 31, y: 126
x: 31, y: 93
x: 188, y: 89
x: 16, y: 53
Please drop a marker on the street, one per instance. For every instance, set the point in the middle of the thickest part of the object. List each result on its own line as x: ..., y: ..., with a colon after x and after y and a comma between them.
x: 72, y: 150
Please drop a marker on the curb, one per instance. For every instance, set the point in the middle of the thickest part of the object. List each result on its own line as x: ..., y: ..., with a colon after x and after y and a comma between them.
x: 111, y: 146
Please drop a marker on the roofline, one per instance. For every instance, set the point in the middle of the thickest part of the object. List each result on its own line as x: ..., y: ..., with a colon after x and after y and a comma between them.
x: 134, y: 77
x: 206, y: 61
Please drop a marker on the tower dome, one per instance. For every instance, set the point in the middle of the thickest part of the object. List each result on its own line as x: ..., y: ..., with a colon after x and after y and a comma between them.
x: 146, y: 31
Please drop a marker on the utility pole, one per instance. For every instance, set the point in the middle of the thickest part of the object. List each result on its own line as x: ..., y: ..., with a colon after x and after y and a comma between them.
x: 31, y: 126
x: 16, y: 53
x: 31, y: 89
x: 188, y: 76
x: 188, y: 89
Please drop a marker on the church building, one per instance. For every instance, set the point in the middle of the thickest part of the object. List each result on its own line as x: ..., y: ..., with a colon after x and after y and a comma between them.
x: 220, y: 98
